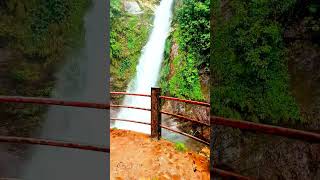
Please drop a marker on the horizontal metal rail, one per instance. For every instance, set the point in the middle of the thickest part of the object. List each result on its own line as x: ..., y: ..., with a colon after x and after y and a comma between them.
x: 24, y: 140
x: 165, y: 127
x: 50, y: 101
x: 164, y: 97
x: 129, y: 107
x: 260, y: 128
x: 267, y: 129
x: 127, y: 120
x: 186, y: 101
x: 185, y: 134
x: 129, y: 94
x: 183, y: 117
x: 228, y: 174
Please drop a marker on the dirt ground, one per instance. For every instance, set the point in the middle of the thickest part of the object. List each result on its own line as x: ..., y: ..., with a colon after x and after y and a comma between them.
x: 137, y: 156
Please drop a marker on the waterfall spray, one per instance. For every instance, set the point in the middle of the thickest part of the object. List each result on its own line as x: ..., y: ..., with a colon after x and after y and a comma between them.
x: 148, y: 71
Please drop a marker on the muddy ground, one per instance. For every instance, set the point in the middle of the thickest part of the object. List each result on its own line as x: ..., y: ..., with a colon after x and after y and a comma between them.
x: 137, y: 156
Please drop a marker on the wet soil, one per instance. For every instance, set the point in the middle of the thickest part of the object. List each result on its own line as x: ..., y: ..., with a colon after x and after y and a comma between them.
x: 137, y: 156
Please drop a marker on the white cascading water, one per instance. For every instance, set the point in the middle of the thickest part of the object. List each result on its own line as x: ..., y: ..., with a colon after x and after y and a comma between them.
x: 148, y: 71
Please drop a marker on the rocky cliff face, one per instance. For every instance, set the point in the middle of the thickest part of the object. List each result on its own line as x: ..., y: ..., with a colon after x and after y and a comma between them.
x: 265, y: 156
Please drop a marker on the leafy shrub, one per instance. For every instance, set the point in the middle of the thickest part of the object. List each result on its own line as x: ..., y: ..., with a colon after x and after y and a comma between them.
x: 193, y: 19
x: 185, y: 82
x: 25, y: 73
x: 179, y: 146
x: 191, y: 34
x: 249, y: 71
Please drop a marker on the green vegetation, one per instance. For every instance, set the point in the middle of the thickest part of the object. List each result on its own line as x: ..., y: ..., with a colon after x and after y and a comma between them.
x: 185, y: 82
x: 38, y: 34
x: 41, y: 28
x: 179, y: 146
x: 193, y: 18
x: 129, y: 33
x: 191, y: 35
x: 249, y: 71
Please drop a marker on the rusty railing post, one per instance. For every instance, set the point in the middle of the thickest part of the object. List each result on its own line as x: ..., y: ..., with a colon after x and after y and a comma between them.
x: 155, y: 113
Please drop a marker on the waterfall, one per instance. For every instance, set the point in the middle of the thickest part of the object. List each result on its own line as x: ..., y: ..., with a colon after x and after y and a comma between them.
x: 83, y: 78
x: 148, y: 71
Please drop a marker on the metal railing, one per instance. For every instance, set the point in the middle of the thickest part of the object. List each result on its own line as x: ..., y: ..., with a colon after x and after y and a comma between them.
x: 155, y: 124
x: 50, y: 101
x: 156, y: 112
x: 243, y: 125
x: 266, y: 129
x: 258, y: 128
x: 155, y: 118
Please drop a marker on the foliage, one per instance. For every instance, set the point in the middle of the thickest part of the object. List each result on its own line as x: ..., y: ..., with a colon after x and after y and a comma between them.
x: 180, y: 72
x: 43, y: 28
x: 185, y: 82
x: 179, y: 146
x: 192, y: 17
x: 249, y: 71
x: 41, y: 33
x: 25, y: 73
x: 115, y: 8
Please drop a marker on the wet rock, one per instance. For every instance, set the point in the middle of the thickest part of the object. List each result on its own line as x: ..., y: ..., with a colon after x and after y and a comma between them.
x: 132, y: 7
